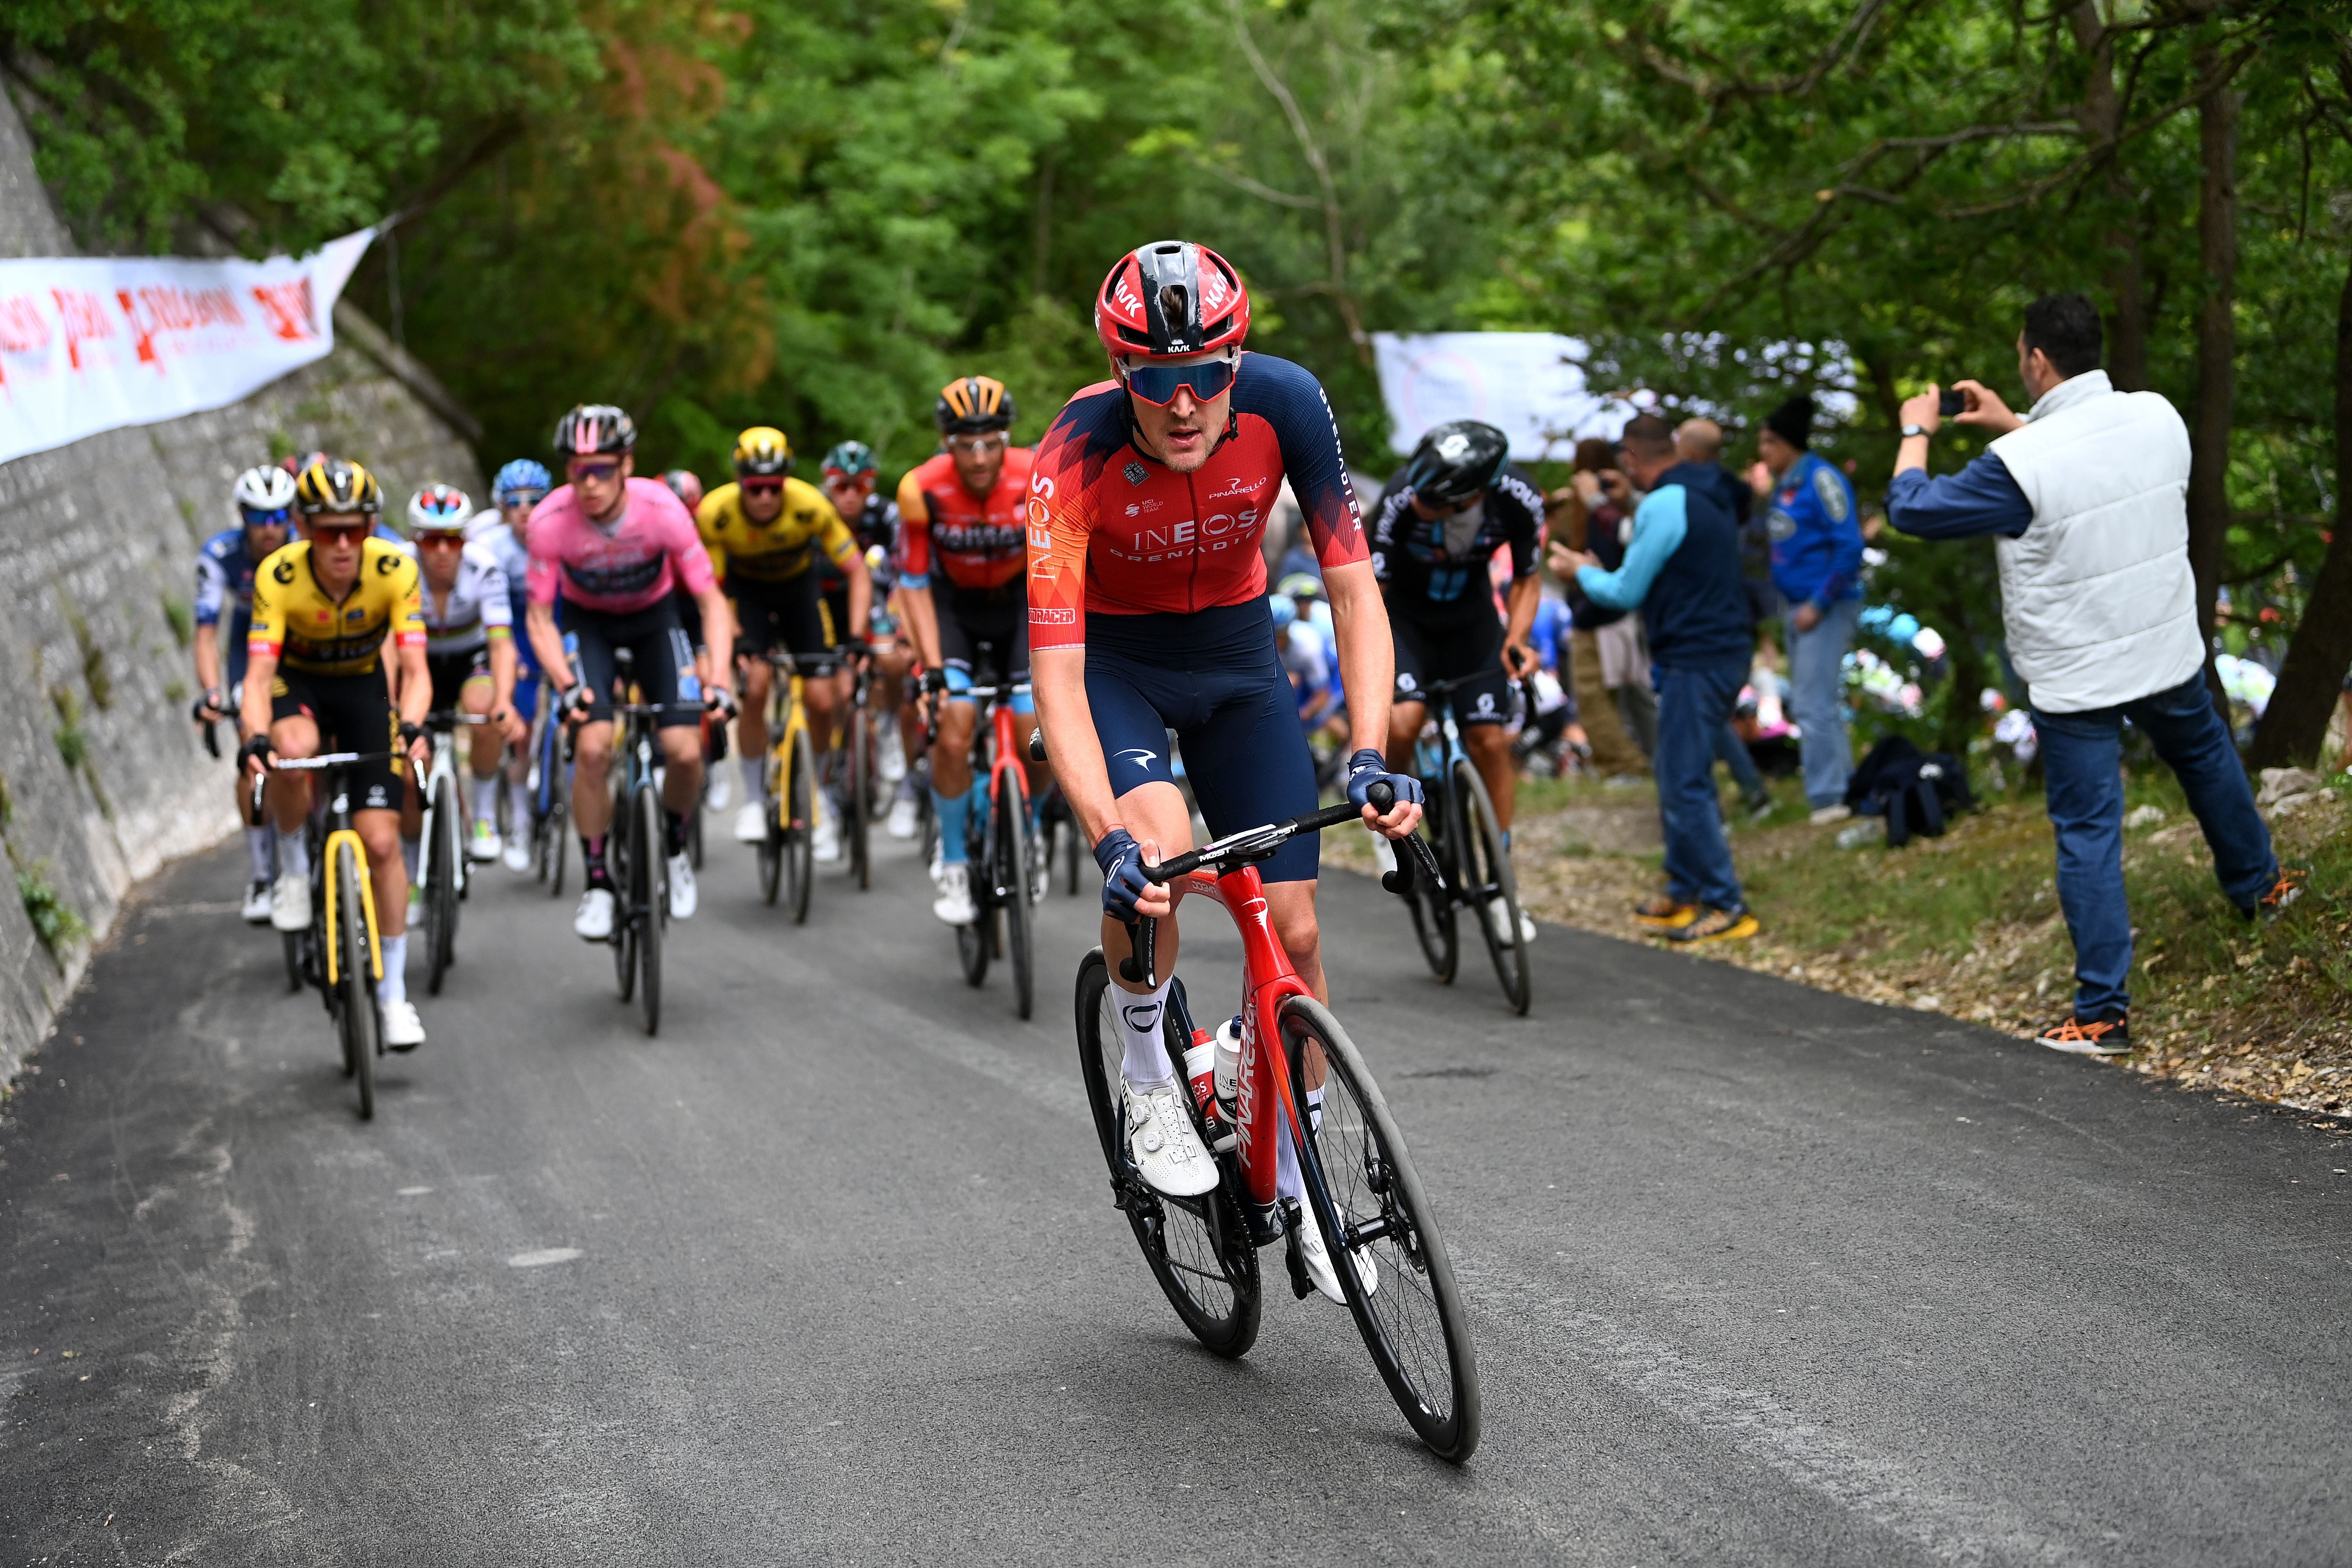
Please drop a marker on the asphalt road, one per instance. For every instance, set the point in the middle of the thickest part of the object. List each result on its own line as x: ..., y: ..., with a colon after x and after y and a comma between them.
x: 828, y: 1273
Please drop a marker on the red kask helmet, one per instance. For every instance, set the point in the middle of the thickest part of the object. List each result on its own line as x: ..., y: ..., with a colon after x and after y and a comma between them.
x: 1168, y: 300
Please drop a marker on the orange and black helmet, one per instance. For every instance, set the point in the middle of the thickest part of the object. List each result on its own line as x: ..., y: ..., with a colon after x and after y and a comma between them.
x: 972, y: 404
x: 336, y: 487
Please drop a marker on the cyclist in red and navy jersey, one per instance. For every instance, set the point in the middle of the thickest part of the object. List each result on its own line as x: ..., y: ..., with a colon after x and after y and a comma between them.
x: 1148, y: 613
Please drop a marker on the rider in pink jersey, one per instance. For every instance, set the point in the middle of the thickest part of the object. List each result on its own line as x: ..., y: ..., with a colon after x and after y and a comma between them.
x: 614, y: 546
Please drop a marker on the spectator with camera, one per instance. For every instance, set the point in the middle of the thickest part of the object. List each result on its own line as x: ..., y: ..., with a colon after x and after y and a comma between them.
x: 2086, y: 498
x: 1816, y: 533
x: 1681, y: 570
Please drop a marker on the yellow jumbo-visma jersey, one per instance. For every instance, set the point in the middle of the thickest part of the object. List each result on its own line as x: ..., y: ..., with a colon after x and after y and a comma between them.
x: 771, y: 551
x: 296, y: 624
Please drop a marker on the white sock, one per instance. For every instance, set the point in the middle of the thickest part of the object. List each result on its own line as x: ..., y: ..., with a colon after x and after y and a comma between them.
x: 519, y: 801
x: 410, y: 851
x: 1146, y: 1057
x: 1287, y: 1181
x: 394, y: 986
x: 486, y: 800
x: 293, y: 854
x: 256, y: 849
x: 755, y: 777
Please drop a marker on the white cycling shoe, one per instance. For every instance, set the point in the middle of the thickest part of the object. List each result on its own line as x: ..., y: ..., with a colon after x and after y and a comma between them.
x: 1499, y: 913
x: 258, y: 897
x: 683, y: 898
x: 290, y: 903
x: 593, y: 921
x: 902, y: 823
x: 1162, y: 1142
x: 954, y: 903
x: 518, y: 855
x: 718, y: 789
x: 485, y: 845
x: 1317, y: 1256
x: 890, y: 754
x: 825, y: 833
x: 751, y: 824
x: 402, y: 1030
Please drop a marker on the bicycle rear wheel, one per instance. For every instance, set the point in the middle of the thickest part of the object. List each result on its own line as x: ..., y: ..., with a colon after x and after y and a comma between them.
x: 291, y: 942
x: 620, y: 869
x: 854, y: 812
x: 1198, y: 1248
x: 1486, y: 873
x: 1011, y: 877
x: 441, y: 886
x: 356, y: 1001
x: 649, y: 893
x: 800, y: 843
x: 1369, y: 1201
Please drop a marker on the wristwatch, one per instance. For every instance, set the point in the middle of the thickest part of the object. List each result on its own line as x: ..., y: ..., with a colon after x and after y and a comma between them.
x: 1911, y: 430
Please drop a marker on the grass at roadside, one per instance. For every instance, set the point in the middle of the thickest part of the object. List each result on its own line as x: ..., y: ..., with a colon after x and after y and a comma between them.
x: 1968, y: 925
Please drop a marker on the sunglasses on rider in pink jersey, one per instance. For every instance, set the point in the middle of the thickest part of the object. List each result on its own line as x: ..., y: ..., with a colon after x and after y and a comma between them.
x: 602, y: 473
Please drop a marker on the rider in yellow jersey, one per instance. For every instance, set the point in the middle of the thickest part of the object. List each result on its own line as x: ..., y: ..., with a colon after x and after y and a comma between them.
x: 764, y: 531
x: 324, y: 609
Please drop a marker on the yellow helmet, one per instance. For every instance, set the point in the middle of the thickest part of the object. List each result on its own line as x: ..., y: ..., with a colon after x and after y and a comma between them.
x: 763, y: 449
x: 336, y: 486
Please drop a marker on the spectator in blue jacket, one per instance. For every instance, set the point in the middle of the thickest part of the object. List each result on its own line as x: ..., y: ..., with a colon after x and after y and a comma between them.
x: 1681, y: 572
x: 1816, y: 532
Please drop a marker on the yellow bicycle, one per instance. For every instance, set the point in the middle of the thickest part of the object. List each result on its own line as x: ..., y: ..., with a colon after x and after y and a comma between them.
x: 342, y: 956
x: 788, y: 853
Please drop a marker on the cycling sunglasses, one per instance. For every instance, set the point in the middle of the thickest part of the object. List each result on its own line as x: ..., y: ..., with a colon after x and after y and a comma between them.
x: 602, y: 473
x: 1157, y: 384
x: 430, y: 541
x: 521, y: 498
x: 278, y: 519
x: 760, y: 487
x: 339, y: 532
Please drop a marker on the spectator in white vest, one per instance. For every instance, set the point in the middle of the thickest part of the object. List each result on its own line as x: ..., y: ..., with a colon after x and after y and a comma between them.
x: 2087, y: 499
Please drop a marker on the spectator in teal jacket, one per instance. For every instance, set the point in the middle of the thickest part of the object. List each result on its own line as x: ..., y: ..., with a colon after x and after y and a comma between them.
x: 1816, y: 532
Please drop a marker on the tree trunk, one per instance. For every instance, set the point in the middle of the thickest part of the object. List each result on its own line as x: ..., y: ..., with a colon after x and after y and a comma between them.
x: 2101, y: 116
x: 2295, y: 726
x: 2217, y: 351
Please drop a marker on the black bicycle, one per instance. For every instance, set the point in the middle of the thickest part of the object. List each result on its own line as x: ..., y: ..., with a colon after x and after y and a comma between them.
x: 634, y: 850
x: 1474, y: 868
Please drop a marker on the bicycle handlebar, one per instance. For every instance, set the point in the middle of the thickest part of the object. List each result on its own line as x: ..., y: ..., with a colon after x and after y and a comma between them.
x: 445, y: 718
x: 326, y: 760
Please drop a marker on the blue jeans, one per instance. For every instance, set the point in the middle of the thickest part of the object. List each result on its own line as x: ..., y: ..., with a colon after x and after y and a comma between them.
x: 1817, y: 700
x: 1733, y: 751
x: 1694, y: 706
x: 2082, y: 763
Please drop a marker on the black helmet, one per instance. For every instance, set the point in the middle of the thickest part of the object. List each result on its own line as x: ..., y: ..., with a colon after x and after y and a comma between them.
x: 1457, y: 459
x: 597, y: 428
x: 334, y: 486
x: 973, y: 404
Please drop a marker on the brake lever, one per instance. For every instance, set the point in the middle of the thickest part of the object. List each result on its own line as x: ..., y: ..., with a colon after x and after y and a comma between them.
x: 1401, y: 880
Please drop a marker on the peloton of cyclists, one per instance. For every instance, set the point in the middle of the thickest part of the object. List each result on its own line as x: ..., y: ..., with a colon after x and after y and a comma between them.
x: 962, y: 555
x: 470, y: 655
x: 1147, y: 516
x: 325, y: 609
x: 1438, y: 523
x: 762, y: 529
x: 504, y: 531
x: 613, y: 545
x: 264, y: 499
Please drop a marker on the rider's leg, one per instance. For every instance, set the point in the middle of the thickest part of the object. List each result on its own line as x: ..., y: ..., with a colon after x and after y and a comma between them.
x: 1405, y: 719
x: 379, y: 833
x: 287, y: 795
x: 412, y: 823
x: 951, y: 771
x: 822, y: 698
x: 681, y: 747
x: 1156, y: 814
x: 1490, y: 752
x: 592, y: 799
x: 483, y: 755
x: 752, y: 741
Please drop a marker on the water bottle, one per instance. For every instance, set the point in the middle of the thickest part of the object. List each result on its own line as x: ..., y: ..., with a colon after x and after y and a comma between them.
x: 1229, y: 1068
x: 1199, y: 1070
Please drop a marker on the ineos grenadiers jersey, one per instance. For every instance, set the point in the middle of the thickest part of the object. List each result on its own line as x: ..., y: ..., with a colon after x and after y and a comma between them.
x: 1115, y: 533
x: 977, y: 542
x: 224, y: 579
x: 1433, y: 570
x: 478, y: 604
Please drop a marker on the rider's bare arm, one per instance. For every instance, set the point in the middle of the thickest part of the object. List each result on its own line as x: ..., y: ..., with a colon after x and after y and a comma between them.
x: 547, y: 642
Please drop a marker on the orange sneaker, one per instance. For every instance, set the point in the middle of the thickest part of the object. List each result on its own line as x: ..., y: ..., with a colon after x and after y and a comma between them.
x: 1662, y: 913
x: 1716, y: 925
x: 2095, y: 1038
x: 2291, y: 881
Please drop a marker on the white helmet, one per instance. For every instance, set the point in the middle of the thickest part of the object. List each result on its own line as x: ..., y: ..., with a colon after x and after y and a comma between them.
x: 265, y: 489
x: 439, y: 509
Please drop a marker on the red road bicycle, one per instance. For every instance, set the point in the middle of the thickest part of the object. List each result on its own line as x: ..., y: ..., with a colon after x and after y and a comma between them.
x: 1367, y: 1197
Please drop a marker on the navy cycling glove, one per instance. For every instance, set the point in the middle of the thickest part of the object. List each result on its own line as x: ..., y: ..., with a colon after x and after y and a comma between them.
x: 1122, y: 860
x: 1366, y: 768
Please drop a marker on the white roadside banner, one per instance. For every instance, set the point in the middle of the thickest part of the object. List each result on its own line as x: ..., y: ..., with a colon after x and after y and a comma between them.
x: 99, y: 342
x: 1525, y: 383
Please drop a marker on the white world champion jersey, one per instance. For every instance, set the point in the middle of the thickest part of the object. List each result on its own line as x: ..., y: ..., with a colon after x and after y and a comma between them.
x: 460, y: 622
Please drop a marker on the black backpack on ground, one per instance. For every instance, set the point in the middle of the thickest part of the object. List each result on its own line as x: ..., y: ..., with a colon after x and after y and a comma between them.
x: 1917, y: 792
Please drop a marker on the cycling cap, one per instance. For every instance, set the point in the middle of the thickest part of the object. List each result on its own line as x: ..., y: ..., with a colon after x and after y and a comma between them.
x: 1170, y: 299
x: 1300, y: 586
x: 972, y: 404
x: 335, y: 485
x: 594, y: 427
x: 440, y: 508
x: 763, y: 449
x: 523, y: 474
x: 1455, y: 460
x: 265, y: 490
x: 684, y: 484
x: 850, y: 459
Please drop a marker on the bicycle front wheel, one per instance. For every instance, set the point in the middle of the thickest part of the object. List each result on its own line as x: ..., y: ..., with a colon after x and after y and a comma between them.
x: 1367, y: 1200
x: 1011, y: 876
x: 1486, y: 871
x: 1198, y: 1248
x: 855, y: 813
x: 800, y: 843
x: 648, y: 893
x: 355, y: 1000
x: 441, y: 886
